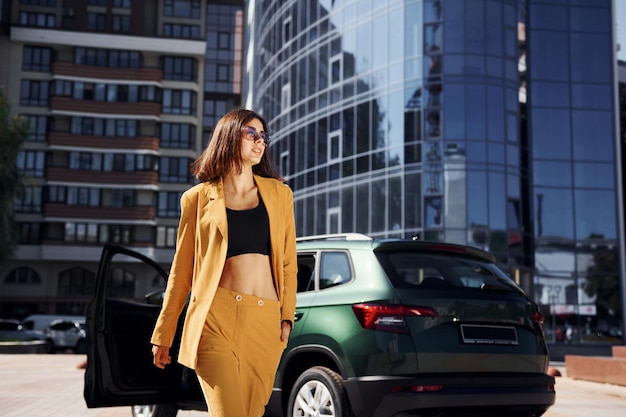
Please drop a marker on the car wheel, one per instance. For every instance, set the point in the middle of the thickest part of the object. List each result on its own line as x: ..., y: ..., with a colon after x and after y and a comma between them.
x: 50, y: 346
x: 154, y: 410
x: 318, y: 391
x: 81, y: 347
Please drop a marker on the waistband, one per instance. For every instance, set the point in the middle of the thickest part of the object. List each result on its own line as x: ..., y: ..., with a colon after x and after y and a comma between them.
x: 245, y: 299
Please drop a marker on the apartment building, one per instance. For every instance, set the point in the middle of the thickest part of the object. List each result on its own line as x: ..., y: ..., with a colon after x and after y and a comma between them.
x: 121, y: 96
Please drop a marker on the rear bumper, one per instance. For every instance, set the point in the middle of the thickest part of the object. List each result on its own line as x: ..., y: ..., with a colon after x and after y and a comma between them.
x: 391, y: 396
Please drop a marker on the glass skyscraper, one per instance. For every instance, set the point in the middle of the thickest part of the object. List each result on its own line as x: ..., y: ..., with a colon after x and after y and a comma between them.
x: 491, y: 123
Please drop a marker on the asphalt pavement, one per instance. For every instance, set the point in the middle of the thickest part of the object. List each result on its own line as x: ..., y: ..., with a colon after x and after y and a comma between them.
x: 40, y: 385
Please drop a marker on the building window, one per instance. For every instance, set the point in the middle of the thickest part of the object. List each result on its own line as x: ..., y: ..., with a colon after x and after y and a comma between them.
x: 213, y: 110
x: 223, y: 72
x: 107, y: 58
x: 334, y: 145
x: 81, y: 232
x: 96, y: 21
x: 171, y: 30
x: 41, y: 3
x: 177, y: 135
x: 28, y: 233
x: 284, y: 163
x: 122, y: 4
x: 102, y: 3
x: 223, y: 41
x: 37, y: 19
x: 179, y: 68
x: 169, y: 204
x: 174, y: 170
x: 38, y: 126
x: 166, y: 237
x: 76, y: 282
x: 23, y: 276
x: 55, y: 194
x: 36, y: 58
x: 121, y: 23
x: 31, y: 163
x: 80, y: 196
x: 287, y: 30
x: 179, y: 102
x: 91, y: 126
x: 115, y: 233
x: 182, y: 8
x: 34, y: 93
x: 29, y: 201
x: 86, y: 161
x: 122, y: 198
x: 62, y: 88
x: 285, y: 97
x: 336, y: 69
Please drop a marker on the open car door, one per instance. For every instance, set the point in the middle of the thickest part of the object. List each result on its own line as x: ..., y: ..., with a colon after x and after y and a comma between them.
x: 119, y: 358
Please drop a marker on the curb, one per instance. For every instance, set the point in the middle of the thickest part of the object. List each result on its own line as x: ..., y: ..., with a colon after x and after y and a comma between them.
x: 37, y: 346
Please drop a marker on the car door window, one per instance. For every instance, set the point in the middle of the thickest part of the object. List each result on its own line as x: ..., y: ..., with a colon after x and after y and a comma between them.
x: 306, y: 272
x: 334, y: 269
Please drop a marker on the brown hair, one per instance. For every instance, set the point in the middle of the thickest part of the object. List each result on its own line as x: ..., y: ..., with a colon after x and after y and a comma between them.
x: 223, y: 152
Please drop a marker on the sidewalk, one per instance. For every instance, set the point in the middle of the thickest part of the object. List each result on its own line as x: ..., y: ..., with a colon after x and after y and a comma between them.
x: 51, y: 386
x: 40, y: 385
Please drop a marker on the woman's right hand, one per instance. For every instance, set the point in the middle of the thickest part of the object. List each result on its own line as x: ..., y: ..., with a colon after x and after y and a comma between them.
x: 161, y: 356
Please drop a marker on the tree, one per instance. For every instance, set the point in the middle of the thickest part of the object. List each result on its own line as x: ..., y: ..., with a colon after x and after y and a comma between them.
x: 13, y: 132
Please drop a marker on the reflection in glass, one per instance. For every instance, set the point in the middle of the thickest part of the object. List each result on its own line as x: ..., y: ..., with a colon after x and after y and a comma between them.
x: 551, y: 134
x: 594, y: 175
x: 554, y: 213
x: 552, y: 173
x: 595, y: 214
x: 592, y: 134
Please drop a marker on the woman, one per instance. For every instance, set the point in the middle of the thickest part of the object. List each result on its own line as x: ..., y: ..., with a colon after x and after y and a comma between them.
x: 236, y: 262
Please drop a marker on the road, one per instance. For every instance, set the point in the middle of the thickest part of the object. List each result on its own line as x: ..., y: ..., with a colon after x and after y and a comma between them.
x: 52, y: 386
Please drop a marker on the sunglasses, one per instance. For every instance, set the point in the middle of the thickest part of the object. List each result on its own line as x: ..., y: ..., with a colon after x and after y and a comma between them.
x: 254, y: 136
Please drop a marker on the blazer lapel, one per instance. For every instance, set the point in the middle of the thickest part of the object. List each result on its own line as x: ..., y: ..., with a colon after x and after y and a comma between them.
x: 215, y: 209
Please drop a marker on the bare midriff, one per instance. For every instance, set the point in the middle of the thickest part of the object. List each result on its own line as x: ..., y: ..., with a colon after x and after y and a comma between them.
x: 249, y: 273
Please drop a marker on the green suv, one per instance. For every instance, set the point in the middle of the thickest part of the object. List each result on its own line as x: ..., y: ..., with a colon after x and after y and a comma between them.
x: 383, y: 328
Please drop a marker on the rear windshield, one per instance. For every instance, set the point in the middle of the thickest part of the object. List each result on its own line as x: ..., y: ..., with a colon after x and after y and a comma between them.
x: 419, y: 270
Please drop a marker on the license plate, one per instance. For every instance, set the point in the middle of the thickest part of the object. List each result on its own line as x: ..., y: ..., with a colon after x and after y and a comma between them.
x: 489, y: 335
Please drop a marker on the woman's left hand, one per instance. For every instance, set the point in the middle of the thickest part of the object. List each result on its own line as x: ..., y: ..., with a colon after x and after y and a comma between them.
x: 285, y: 330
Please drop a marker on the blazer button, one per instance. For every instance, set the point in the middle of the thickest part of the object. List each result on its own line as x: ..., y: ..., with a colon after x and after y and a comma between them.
x: 260, y: 303
x: 238, y: 297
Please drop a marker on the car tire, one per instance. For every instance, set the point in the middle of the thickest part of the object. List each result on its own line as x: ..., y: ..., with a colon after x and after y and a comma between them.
x: 318, y: 391
x: 50, y: 348
x: 154, y: 410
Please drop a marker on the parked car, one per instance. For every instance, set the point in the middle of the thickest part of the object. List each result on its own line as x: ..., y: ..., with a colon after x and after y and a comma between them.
x: 38, y: 322
x: 65, y: 334
x: 383, y: 328
x: 12, y: 331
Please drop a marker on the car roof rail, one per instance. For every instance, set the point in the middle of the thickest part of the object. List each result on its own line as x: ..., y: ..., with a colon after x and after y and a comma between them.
x: 335, y: 236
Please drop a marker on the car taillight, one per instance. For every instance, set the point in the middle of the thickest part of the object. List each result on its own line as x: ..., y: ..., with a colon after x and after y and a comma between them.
x: 387, y: 317
x: 538, y: 317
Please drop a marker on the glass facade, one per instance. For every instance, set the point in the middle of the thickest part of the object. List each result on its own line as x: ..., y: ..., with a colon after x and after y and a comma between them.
x: 490, y: 123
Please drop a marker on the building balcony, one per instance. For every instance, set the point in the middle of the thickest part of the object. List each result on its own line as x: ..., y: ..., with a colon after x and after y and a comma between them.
x: 101, y: 177
x: 68, y: 105
x: 71, y: 70
x: 143, y: 213
x: 105, y: 142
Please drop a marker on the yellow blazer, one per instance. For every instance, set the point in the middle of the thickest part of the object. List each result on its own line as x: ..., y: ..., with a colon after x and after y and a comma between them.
x: 201, y: 253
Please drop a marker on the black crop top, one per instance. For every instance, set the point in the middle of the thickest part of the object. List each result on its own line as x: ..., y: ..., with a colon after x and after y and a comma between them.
x: 248, y: 231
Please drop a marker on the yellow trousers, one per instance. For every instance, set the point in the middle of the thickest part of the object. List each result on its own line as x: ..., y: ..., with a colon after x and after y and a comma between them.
x: 239, y: 352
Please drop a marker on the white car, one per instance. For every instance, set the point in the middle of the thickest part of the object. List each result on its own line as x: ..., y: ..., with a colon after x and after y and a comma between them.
x: 65, y: 334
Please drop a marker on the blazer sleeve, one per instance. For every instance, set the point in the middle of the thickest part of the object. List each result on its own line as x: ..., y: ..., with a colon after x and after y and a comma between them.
x: 290, y: 260
x: 180, y: 278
